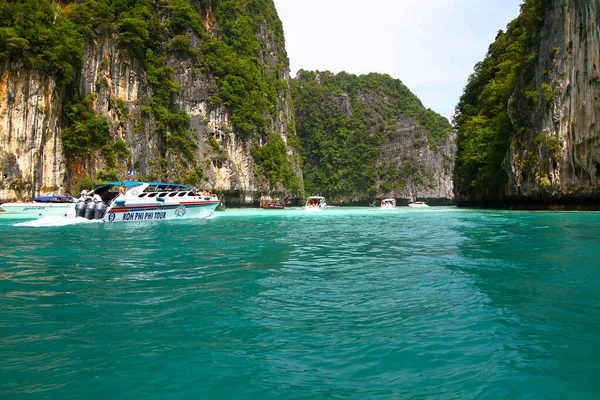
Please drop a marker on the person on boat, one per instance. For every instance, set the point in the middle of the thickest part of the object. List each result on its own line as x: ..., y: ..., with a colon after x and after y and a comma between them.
x: 83, y: 195
x: 122, y: 188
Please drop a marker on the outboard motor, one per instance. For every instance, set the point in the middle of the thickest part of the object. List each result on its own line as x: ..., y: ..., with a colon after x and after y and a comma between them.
x: 89, y: 209
x: 99, y: 209
x: 80, y: 208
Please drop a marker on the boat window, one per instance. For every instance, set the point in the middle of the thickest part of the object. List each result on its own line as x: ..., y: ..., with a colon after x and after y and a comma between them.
x: 191, y: 194
x: 163, y: 194
x: 152, y: 194
x: 142, y: 194
x: 181, y: 194
x: 172, y: 194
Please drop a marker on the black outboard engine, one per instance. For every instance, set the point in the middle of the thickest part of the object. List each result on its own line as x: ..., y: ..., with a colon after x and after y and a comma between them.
x: 99, y: 209
x: 89, y: 209
x: 80, y: 208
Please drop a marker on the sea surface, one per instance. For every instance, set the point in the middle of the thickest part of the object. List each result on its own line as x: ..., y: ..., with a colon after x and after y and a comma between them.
x: 347, y: 303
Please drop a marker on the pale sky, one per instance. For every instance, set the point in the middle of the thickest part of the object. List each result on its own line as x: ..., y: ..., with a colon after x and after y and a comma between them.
x: 430, y: 45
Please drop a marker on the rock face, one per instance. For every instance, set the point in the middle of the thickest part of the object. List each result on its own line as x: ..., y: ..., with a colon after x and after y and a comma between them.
x: 31, y: 150
x: 557, y: 158
x: 427, y: 167
x: 31, y: 160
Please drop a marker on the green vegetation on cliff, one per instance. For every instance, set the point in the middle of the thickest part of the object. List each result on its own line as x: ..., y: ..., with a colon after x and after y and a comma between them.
x: 485, y: 125
x: 42, y: 36
x: 343, y: 121
x: 248, y: 88
x: 273, y: 165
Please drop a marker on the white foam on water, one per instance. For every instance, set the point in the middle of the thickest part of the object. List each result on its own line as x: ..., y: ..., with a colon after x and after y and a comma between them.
x: 56, y: 220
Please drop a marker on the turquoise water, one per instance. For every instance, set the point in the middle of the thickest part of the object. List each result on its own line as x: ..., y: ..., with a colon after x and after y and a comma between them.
x: 348, y: 303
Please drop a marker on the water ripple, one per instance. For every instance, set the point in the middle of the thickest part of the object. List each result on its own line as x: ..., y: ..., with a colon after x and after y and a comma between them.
x: 351, y: 303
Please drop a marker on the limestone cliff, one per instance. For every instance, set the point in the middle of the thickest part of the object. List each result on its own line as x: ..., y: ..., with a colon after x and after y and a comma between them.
x: 424, y: 166
x: 31, y: 158
x: 557, y: 159
x: 527, y: 121
x: 368, y: 137
x: 162, y: 79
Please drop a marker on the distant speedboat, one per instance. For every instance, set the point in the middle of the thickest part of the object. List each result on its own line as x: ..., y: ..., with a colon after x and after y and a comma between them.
x: 418, y: 204
x: 315, y: 203
x: 388, y: 203
x: 45, y: 206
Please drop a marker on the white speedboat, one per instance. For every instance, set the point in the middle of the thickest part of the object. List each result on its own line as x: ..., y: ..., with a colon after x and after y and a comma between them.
x: 388, y: 203
x: 418, y: 204
x: 40, y: 207
x: 315, y: 203
x: 144, y: 201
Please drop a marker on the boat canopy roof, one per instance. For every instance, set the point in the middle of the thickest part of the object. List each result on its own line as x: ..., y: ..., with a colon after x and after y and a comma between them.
x: 53, y: 198
x: 158, y: 185
x: 101, y: 188
x: 315, y: 197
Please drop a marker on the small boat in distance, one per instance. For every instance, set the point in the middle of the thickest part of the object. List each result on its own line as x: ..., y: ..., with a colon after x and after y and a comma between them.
x: 388, y: 203
x: 44, y: 206
x: 272, y: 205
x: 315, y: 203
x: 418, y: 204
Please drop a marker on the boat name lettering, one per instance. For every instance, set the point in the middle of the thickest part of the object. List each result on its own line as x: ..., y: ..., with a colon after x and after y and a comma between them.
x: 143, y: 215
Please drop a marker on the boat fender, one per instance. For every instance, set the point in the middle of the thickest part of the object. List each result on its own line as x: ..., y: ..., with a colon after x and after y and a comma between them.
x: 160, y: 198
x: 120, y: 202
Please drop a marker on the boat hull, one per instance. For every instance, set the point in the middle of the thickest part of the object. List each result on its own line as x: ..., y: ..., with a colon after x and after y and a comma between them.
x: 313, y: 208
x: 272, y: 206
x: 37, y: 210
x: 161, y: 212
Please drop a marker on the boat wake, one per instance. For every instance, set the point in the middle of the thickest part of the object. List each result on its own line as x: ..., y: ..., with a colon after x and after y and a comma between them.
x: 56, y: 220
